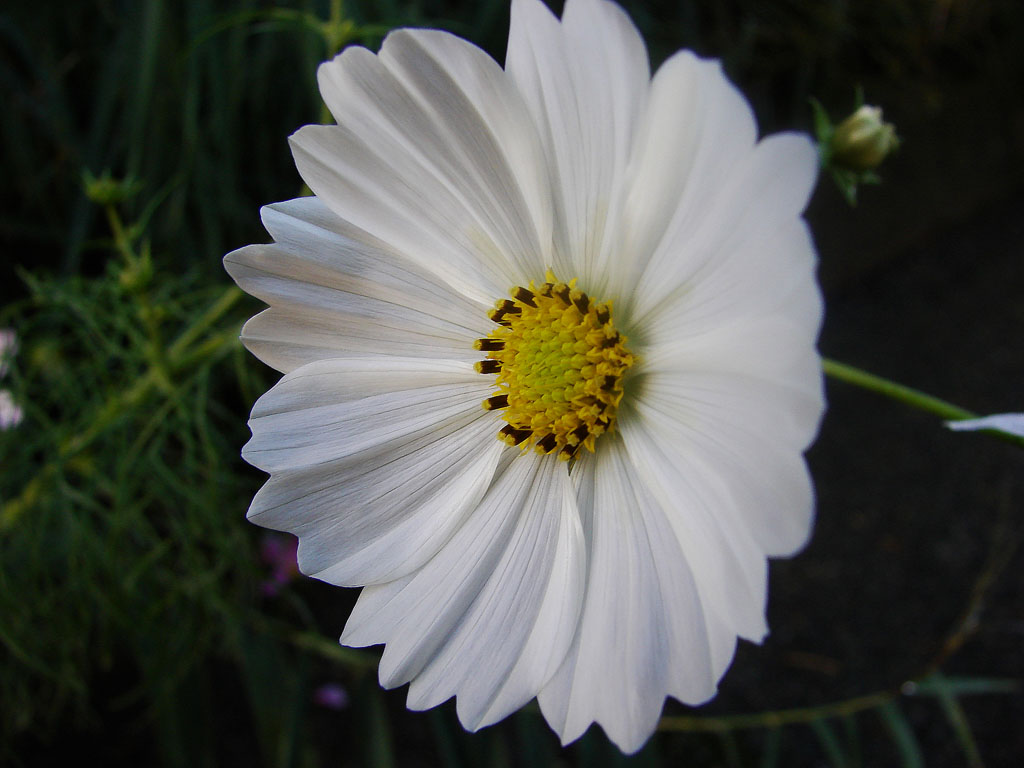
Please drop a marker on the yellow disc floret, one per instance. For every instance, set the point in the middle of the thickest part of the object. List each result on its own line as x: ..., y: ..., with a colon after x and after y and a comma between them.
x: 559, y: 363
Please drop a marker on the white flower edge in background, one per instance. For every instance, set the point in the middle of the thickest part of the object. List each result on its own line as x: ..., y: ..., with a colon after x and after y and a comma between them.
x: 8, y: 348
x: 1010, y: 423
x: 11, y: 414
x: 491, y: 573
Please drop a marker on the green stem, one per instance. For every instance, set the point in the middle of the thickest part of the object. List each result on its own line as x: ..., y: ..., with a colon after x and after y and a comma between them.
x: 338, y: 30
x: 890, y: 389
x: 122, y: 242
x: 776, y: 718
x: 908, y: 395
x: 180, y: 356
x: 217, y: 310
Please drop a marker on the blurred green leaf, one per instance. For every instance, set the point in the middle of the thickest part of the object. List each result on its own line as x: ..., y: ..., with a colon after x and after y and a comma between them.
x: 829, y: 743
x: 771, y: 747
x: 445, y: 740
x: 902, y: 735
x: 379, y: 744
x: 939, y: 685
x: 957, y: 718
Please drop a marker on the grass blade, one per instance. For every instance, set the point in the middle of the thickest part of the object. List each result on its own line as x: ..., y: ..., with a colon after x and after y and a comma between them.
x: 829, y: 743
x: 957, y: 719
x: 772, y: 744
x: 902, y: 735
x: 939, y: 685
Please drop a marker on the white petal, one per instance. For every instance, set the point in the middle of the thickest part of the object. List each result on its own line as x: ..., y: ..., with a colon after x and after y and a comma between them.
x: 433, y: 154
x: 769, y: 273
x: 333, y: 409
x: 695, y: 128
x: 368, y: 519
x: 722, y: 241
x: 705, y: 395
x: 490, y: 617
x: 1011, y: 423
x: 642, y: 634
x: 737, y: 452
x: 333, y: 294
x: 742, y: 337
x: 584, y: 82
x: 728, y: 567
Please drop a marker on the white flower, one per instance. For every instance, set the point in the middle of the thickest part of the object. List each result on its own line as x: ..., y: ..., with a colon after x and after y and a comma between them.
x: 495, y: 573
x: 1010, y: 423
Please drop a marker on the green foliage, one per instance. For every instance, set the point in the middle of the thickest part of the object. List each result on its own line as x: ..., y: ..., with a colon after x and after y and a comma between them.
x: 118, y: 489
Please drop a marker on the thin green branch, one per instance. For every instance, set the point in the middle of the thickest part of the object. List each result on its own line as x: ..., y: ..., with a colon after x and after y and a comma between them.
x: 933, y: 684
x: 217, y: 310
x: 885, y: 387
x: 909, y: 396
x: 778, y: 717
x: 122, y: 240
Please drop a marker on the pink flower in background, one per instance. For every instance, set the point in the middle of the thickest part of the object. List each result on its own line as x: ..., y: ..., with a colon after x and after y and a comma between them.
x: 280, y: 553
x: 331, y: 696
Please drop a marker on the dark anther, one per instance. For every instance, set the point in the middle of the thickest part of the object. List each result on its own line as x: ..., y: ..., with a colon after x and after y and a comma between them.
x: 562, y: 292
x: 498, y: 401
x: 505, y: 307
x: 489, y: 345
x: 568, y: 451
x: 547, y: 443
x: 609, y: 383
x: 610, y: 341
x: 545, y: 290
x: 580, y: 433
x: 603, y: 315
x: 582, y: 301
x: 525, y: 296
x: 488, y: 366
x: 517, y: 435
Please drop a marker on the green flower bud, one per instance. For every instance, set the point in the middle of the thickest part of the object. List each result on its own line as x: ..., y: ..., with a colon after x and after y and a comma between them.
x: 106, y: 190
x: 862, y: 141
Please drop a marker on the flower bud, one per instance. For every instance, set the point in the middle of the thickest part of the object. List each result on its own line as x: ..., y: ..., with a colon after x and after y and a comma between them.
x: 106, y: 190
x: 862, y: 141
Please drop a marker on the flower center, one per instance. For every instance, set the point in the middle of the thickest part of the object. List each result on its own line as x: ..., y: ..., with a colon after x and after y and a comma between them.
x: 559, y: 364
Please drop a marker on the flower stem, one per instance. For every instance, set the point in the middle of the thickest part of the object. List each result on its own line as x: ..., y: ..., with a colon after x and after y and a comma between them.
x: 218, y: 309
x: 908, y: 395
x: 776, y: 718
x: 890, y: 389
x: 122, y: 242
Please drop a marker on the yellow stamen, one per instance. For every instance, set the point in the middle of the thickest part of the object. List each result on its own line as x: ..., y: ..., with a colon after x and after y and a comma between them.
x: 558, y: 364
